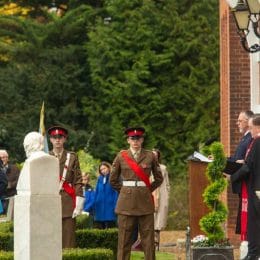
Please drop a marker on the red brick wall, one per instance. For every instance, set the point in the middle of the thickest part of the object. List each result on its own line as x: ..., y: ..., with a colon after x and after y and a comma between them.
x: 234, y: 97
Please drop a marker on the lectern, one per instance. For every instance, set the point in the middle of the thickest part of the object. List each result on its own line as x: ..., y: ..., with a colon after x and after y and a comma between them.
x: 197, y: 183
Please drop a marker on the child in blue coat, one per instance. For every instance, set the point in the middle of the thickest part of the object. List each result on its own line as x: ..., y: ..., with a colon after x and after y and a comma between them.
x: 105, y: 199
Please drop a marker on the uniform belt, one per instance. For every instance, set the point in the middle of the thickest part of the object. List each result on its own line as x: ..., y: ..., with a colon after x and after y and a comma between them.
x: 134, y: 184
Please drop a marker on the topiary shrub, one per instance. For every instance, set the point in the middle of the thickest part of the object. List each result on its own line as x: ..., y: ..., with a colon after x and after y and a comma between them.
x: 212, y: 223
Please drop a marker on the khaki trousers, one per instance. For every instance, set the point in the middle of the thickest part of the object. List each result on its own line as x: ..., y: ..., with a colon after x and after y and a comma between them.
x: 126, y: 226
x: 68, y: 232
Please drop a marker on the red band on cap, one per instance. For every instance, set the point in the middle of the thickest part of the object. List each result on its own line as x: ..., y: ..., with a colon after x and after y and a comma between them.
x: 58, y: 132
x: 135, y: 133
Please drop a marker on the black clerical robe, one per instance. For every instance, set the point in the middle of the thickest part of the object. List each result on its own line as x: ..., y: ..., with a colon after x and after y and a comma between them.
x: 250, y: 171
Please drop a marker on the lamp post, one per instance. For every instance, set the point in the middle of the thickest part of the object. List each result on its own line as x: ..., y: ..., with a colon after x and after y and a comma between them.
x: 247, y: 16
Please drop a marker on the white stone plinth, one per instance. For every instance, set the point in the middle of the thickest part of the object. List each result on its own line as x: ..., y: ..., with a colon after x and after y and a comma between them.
x: 37, y: 210
x: 37, y: 229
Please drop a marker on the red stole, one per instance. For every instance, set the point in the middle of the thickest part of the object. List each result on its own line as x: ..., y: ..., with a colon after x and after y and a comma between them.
x: 244, y: 203
x: 243, y: 216
x: 70, y: 190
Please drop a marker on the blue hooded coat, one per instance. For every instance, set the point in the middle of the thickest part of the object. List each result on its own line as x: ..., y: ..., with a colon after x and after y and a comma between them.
x: 105, y: 200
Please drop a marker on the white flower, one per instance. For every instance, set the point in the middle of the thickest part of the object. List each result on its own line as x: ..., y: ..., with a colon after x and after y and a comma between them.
x: 199, y: 238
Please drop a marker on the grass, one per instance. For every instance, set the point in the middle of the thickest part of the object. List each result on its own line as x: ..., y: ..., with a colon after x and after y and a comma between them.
x: 159, y: 256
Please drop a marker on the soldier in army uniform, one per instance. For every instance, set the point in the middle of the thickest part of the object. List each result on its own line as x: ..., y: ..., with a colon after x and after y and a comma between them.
x: 70, y: 184
x: 130, y: 175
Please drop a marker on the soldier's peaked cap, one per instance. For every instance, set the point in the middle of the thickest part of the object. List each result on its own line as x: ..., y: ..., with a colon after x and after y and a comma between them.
x: 57, y: 130
x: 135, y: 131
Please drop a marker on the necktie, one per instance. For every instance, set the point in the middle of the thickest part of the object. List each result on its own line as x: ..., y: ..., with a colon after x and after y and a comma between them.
x: 136, y: 154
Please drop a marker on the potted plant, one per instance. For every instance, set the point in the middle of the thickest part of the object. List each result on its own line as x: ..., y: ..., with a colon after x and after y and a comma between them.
x: 214, y: 245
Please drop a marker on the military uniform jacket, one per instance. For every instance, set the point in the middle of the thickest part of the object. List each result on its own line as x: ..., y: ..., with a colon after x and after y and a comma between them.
x: 135, y: 201
x: 73, y: 177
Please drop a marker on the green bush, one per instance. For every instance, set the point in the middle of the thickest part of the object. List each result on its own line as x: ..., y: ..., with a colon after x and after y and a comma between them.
x: 87, y: 254
x: 6, y: 255
x: 211, y: 224
x: 73, y: 254
x: 85, y: 238
x: 6, y: 226
x: 84, y: 221
x: 6, y: 241
x: 91, y: 238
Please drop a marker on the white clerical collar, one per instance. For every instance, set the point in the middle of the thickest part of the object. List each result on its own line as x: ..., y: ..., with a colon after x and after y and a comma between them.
x: 246, y: 132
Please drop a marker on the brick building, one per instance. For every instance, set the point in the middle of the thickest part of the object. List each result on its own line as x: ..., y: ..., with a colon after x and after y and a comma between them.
x: 240, y: 90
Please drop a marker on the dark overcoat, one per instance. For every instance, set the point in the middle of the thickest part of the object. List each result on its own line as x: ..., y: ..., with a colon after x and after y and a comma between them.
x: 135, y: 201
x: 250, y: 172
x: 240, y: 154
x: 12, y: 173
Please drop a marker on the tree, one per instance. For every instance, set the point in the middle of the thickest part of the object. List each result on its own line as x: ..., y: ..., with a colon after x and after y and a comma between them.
x: 44, y: 61
x: 149, y: 61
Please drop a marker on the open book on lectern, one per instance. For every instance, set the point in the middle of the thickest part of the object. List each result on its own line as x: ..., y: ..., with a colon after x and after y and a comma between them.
x: 201, y: 157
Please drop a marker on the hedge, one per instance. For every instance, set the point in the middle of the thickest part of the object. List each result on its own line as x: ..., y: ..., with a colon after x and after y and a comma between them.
x: 6, y: 226
x: 84, y: 222
x: 87, y: 254
x: 73, y: 254
x: 85, y: 238
x: 92, y: 238
x: 6, y: 255
x: 6, y: 241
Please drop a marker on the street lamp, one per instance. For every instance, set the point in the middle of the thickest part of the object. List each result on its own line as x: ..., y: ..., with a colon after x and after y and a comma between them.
x: 59, y: 10
x: 247, y: 13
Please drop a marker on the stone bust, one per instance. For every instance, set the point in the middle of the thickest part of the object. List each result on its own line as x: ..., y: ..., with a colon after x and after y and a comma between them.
x: 33, y: 145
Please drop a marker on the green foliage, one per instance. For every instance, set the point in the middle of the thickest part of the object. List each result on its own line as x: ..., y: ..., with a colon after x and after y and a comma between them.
x: 109, y: 64
x: 159, y: 256
x: 149, y: 62
x: 83, y: 222
x: 6, y: 241
x: 85, y: 238
x: 88, y: 164
x: 90, y: 238
x: 73, y: 254
x: 6, y: 255
x: 87, y: 254
x: 46, y: 61
x: 211, y: 223
x: 210, y: 243
x: 7, y: 226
